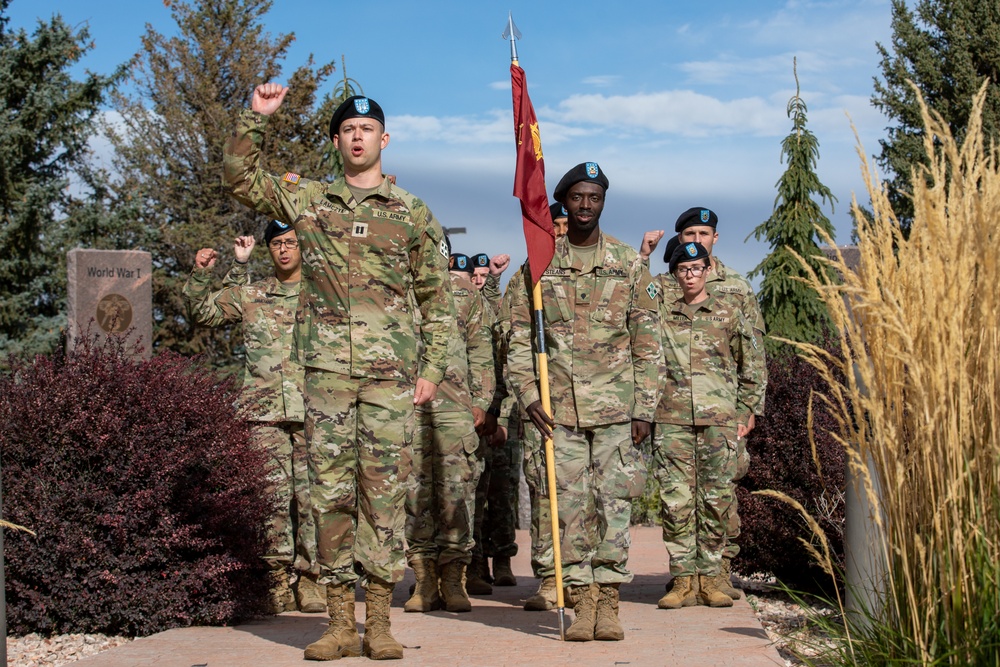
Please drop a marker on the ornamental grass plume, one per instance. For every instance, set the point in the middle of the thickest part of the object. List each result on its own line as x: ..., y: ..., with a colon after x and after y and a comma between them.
x: 917, y: 395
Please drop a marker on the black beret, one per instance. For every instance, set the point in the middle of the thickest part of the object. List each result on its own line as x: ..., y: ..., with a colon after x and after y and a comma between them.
x: 687, y: 252
x: 585, y: 171
x: 356, y: 106
x: 275, y: 228
x: 694, y: 217
x: 459, y: 262
x: 672, y: 244
x: 557, y: 211
x: 480, y: 260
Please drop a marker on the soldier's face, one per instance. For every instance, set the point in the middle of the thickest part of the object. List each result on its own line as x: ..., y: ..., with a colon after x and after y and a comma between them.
x: 479, y: 276
x: 560, y: 226
x: 360, y: 142
x: 702, y: 234
x: 285, y: 259
x: 584, y: 204
x: 691, y: 276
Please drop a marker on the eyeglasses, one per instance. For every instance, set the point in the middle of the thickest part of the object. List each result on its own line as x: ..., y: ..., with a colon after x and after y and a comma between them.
x: 695, y: 271
x: 291, y: 244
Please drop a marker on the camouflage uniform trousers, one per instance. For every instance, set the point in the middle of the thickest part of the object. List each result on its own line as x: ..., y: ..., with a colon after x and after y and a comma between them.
x: 733, y: 516
x: 292, y: 530
x: 694, y: 467
x: 596, y: 478
x: 496, y: 500
x: 440, y: 494
x: 359, y: 433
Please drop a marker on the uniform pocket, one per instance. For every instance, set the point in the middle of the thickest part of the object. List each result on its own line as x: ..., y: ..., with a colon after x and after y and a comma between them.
x: 633, y: 471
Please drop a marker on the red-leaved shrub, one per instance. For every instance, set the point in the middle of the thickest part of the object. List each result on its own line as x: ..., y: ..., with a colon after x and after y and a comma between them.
x: 781, y: 459
x: 142, y: 486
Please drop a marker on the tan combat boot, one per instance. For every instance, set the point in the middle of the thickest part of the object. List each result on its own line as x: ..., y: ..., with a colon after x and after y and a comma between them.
x: 502, y: 574
x: 341, y: 638
x: 453, y: 587
x: 281, y: 592
x: 607, y: 628
x: 475, y: 584
x: 585, y: 612
x: 424, y: 596
x: 379, y: 644
x: 725, y: 582
x: 311, y: 597
x: 545, y: 598
x: 709, y: 594
x: 681, y: 594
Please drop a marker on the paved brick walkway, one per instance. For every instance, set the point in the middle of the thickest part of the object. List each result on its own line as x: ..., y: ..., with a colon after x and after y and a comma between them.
x: 497, y: 633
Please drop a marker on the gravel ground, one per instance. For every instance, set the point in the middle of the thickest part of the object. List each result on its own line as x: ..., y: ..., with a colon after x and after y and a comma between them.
x: 789, y: 625
x: 37, y: 651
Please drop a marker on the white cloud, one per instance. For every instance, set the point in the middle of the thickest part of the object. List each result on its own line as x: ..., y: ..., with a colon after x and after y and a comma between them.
x: 500, y: 85
x: 601, y: 80
x: 677, y: 112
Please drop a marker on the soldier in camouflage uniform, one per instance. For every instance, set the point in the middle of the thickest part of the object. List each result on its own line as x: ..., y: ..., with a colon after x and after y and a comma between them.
x: 710, y: 394
x: 273, y: 382
x: 605, y: 360
x: 440, y: 503
x: 496, y: 494
x: 369, y: 250
x: 724, y: 283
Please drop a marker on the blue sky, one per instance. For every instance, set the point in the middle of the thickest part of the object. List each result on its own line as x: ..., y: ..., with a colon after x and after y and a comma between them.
x: 682, y: 104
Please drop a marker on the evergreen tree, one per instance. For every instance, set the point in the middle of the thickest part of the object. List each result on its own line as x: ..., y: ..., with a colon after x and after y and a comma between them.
x: 791, y: 309
x: 47, y: 188
x: 947, y: 48
x: 188, y: 91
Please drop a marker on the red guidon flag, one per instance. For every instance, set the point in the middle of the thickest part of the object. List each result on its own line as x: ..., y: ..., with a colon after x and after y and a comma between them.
x: 529, y: 179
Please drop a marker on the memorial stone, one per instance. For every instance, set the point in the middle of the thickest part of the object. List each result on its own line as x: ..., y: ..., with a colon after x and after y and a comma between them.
x: 110, y: 293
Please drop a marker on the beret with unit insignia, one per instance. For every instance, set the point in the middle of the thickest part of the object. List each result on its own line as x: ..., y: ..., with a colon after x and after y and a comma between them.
x: 356, y: 106
x: 687, y: 252
x: 275, y: 228
x: 696, y: 216
x: 585, y: 171
x: 459, y: 262
x: 480, y: 260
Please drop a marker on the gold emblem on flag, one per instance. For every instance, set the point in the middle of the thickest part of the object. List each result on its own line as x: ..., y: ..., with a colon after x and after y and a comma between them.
x: 536, y: 140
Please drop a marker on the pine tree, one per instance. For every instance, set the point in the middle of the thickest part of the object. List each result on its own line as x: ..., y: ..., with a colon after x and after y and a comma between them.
x: 46, y: 185
x: 188, y: 91
x: 947, y: 48
x: 790, y: 308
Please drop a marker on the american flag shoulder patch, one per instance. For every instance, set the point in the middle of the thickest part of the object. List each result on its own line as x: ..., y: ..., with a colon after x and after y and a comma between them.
x: 291, y: 178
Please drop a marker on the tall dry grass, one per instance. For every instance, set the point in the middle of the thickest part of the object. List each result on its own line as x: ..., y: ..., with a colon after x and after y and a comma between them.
x: 919, y: 329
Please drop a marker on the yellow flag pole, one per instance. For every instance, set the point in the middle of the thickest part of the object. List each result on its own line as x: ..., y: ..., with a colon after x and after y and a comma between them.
x: 550, y: 461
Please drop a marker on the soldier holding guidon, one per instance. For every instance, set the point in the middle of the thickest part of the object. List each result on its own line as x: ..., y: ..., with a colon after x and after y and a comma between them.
x: 605, y: 362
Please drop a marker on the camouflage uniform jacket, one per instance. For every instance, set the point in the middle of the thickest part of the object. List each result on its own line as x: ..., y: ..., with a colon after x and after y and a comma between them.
x: 602, y: 334
x: 267, y: 310
x: 469, y: 380
x: 491, y: 291
x: 725, y: 283
x: 361, y: 260
x: 709, y: 382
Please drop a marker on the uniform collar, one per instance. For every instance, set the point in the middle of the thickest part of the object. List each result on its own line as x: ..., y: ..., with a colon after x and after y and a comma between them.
x: 275, y: 287
x: 338, y: 188
x: 564, y: 258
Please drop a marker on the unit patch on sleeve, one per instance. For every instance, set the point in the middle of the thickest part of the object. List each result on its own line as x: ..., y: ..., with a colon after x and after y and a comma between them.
x: 652, y: 290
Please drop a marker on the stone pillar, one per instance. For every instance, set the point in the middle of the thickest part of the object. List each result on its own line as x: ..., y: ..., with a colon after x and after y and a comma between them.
x: 111, y: 293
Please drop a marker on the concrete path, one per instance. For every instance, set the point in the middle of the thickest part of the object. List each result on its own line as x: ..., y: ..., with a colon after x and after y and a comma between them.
x: 497, y: 633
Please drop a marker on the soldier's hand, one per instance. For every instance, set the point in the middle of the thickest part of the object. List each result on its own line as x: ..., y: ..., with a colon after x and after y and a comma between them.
x: 205, y: 258
x: 500, y: 437
x: 478, y: 418
x: 499, y: 264
x: 425, y: 392
x: 743, y: 430
x: 649, y: 241
x: 488, y: 426
x: 243, y: 247
x: 267, y: 97
x: 542, y: 421
x: 640, y: 430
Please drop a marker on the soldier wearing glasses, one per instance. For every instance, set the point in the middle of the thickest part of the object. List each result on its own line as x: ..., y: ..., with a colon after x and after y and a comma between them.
x: 266, y: 309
